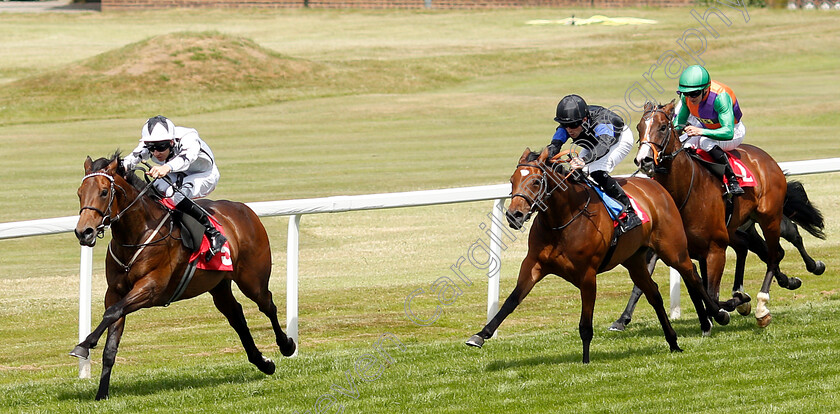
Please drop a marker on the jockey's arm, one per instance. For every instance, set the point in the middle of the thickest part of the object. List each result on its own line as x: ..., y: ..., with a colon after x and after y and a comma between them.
x: 560, y: 137
x: 726, y: 119
x: 682, y: 115
x: 135, y: 157
x: 190, y: 147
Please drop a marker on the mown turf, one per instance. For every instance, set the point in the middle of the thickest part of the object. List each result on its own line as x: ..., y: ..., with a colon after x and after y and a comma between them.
x: 419, y: 100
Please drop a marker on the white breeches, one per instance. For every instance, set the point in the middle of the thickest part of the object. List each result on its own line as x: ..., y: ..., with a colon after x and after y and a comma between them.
x: 195, y: 185
x: 706, y: 144
x: 614, y: 156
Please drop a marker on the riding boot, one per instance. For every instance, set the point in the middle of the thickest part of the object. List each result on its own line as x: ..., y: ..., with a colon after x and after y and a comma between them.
x: 216, y: 239
x: 611, y: 187
x: 720, y: 157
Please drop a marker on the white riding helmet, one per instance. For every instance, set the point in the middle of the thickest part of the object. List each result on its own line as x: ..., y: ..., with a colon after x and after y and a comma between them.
x: 156, y: 129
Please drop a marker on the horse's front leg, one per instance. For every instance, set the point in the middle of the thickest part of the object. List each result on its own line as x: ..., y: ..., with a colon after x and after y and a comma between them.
x: 588, y: 288
x: 530, y: 272
x: 109, y: 357
x: 140, y: 296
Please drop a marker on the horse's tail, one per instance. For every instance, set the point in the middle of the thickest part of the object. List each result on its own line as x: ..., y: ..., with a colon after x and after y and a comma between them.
x: 800, y: 210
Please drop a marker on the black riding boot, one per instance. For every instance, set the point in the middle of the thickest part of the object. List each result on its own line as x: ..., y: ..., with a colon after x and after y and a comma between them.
x: 720, y: 157
x: 611, y: 187
x: 216, y: 239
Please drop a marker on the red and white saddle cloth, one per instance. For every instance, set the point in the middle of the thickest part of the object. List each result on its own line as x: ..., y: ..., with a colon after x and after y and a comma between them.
x: 221, y: 261
x: 745, y: 176
x: 643, y: 215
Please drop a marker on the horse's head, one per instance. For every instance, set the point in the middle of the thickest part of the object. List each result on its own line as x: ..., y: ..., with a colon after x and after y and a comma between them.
x: 656, y: 135
x: 103, y: 188
x: 532, y: 183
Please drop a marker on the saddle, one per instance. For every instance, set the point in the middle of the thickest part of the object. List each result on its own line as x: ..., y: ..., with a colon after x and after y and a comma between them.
x: 193, y: 239
x: 745, y: 178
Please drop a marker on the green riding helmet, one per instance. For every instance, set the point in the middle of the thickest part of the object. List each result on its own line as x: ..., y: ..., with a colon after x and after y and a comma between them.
x: 694, y: 78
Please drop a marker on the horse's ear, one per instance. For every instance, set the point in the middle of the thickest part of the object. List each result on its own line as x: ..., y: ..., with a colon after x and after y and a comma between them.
x: 648, y: 106
x: 669, y: 108
x: 525, y: 154
x: 88, y: 164
x: 112, y: 167
x: 543, y: 156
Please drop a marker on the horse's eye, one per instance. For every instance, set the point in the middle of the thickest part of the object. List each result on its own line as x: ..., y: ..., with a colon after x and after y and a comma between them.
x: 663, y: 127
x: 103, y: 193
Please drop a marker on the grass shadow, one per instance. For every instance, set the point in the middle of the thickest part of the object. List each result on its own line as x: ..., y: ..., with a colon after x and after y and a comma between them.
x: 160, y: 381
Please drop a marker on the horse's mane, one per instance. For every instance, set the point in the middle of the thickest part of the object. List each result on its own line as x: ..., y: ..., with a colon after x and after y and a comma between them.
x: 129, y: 176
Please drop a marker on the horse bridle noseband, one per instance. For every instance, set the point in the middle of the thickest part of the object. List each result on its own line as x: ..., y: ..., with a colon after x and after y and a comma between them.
x: 544, y: 194
x: 659, y: 157
x: 106, y: 215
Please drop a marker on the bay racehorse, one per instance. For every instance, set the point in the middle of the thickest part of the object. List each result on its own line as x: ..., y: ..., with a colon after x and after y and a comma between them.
x: 572, y: 234
x: 146, y: 260
x: 700, y: 195
x: 797, y: 205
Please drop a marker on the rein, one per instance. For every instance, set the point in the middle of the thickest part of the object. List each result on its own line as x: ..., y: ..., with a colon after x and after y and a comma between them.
x: 544, y: 194
x: 106, y: 215
x: 660, y: 157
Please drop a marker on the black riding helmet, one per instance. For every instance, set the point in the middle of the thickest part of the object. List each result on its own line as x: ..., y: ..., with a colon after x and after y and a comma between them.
x: 571, y: 110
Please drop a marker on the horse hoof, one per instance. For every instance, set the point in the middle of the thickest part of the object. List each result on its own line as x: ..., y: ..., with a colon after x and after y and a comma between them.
x: 744, y: 297
x: 744, y: 309
x: 267, y: 366
x: 290, y: 348
x: 676, y: 349
x: 764, y: 321
x: 819, y: 268
x: 794, y: 283
x: 101, y: 397
x: 618, y: 326
x: 722, y: 318
x: 707, y: 333
x: 80, y: 352
x: 475, y: 341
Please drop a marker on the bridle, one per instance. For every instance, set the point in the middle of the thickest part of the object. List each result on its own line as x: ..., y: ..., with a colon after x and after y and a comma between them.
x: 545, y: 193
x: 659, y: 156
x: 106, y: 215
x: 657, y: 148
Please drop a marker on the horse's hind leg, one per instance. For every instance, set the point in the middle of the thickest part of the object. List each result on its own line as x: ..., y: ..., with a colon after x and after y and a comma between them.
x: 259, y: 293
x: 621, y: 323
x: 624, y: 319
x: 226, y: 303
x: 790, y: 232
x: 637, y: 266
x: 740, y: 299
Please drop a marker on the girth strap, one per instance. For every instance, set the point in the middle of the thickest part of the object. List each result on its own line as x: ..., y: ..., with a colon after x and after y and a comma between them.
x: 185, y: 280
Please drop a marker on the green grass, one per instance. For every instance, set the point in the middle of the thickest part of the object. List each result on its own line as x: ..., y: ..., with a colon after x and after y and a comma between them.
x: 415, y: 100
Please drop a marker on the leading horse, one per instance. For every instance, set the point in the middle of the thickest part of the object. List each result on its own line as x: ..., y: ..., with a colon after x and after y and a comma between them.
x: 703, y: 205
x: 572, y: 237
x: 146, y: 261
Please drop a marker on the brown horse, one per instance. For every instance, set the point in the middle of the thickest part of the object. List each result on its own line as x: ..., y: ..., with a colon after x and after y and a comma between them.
x: 700, y: 195
x: 146, y: 261
x: 572, y: 238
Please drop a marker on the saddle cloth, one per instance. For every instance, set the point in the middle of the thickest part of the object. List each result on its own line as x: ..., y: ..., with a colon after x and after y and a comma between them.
x: 745, y: 176
x: 221, y: 261
x: 615, y: 208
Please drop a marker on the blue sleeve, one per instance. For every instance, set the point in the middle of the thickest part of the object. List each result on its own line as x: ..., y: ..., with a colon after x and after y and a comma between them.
x: 604, y: 129
x: 560, y: 136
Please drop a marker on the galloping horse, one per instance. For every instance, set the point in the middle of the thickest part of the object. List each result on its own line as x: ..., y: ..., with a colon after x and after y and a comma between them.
x: 572, y: 238
x: 146, y: 261
x: 797, y: 201
x: 702, y: 205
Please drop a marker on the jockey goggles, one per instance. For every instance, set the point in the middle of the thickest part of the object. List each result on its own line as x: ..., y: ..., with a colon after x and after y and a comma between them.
x: 693, y: 94
x: 158, y: 146
x: 571, y: 125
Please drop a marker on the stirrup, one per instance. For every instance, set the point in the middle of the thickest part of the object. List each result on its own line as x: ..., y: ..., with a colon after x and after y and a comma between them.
x: 217, y: 241
x: 732, y: 187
